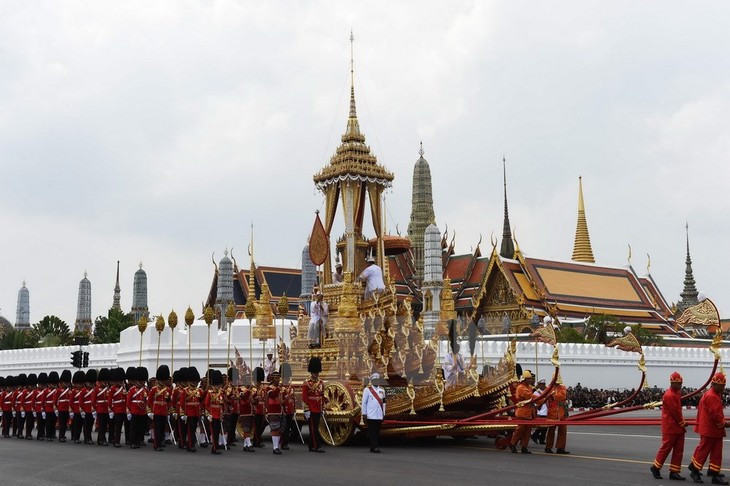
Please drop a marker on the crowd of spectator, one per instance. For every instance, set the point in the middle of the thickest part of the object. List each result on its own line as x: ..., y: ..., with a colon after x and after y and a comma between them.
x: 582, y: 397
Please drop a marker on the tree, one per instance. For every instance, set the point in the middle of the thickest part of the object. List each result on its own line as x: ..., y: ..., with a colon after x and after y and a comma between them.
x: 570, y: 335
x: 15, y: 339
x: 50, y: 331
x: 647, y: 337
x: 601, y: 327
x: 107, y: 329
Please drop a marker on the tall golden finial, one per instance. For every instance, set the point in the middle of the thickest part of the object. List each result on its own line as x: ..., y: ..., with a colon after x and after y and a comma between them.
x: 252, y: 270
x: 582, y: 251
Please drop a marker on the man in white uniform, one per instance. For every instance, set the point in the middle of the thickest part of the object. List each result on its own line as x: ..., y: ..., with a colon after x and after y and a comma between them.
x: 337, y: 275
x: 373, y: 278
x: 317, y: 321
x: 373, y: 409
x: 453, y: 367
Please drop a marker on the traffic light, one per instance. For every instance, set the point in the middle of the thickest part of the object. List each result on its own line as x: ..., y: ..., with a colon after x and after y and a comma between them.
x: 86, y: 359
x: 76, y: 359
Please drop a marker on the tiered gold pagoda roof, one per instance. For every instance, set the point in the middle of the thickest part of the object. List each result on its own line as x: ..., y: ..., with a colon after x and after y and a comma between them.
x: 582, y: 251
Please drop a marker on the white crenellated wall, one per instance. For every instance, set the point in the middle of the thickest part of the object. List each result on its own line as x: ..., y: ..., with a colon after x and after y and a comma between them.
x: 592, y: 365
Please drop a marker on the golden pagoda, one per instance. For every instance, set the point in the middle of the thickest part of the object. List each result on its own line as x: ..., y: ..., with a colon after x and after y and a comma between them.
x: 582, y: 251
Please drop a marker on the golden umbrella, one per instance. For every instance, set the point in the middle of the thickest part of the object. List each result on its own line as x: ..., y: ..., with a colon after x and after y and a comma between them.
x: 142, y: 326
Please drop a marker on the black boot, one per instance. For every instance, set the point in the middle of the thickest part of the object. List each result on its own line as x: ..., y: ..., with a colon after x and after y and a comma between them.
x: 513, y: 449
x: 695, y: 474
x: 525, y: 451
x: 655, y: 471
x: 676, y: 477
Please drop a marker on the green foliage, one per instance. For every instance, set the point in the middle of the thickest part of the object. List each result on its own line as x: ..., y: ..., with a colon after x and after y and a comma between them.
x: 50, y: 331
x: 600, y: 327
x: 14, y: 339
x: 570, y: 335
x: 107, y: 329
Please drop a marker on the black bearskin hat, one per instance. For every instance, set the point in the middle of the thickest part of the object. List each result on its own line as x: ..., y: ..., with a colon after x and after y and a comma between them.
x: 315, y: 365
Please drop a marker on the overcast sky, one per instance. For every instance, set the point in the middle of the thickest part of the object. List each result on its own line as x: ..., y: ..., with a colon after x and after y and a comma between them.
x: 159, y: 131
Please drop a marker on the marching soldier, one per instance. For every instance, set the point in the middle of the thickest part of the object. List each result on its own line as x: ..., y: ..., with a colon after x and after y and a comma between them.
x: 312, y: 396
x: 178, y: 381
x: 246, y: 408
x: 130, y: 377
x: 190, y: 406
x: 21, y: 380
x: 63, y: 404
x: 673, y: 430
x: 117, y: 406
x: 28, y: 413
x: 101, y: 406
x: 557, y: 410
x: 524, y: 411
x: 39, y: 405
x: 232, y: 399
x: 158, y: 403
x: 289, y: 405
x: 710, y: 426
x: 274, y: 410
x: 214, y: 402
x: 137, y: 407
x: 6, y: 404
x: 77, y: 421
x: 49, y: 405
x: 87, y: 405
x: 259, y: 401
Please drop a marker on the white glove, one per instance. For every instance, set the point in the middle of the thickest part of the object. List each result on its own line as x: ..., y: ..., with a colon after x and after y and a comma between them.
x: 129, y: 416
x: 22, y: 414
x: 93, y: 414
x: 151, y: 415
x: 35, y: 415
x: 83, y: 415
x: 71, y: 415
x: 174, y: 416
x: 210, y: 418
x: 43, y: 415
x: 184, y: 418
x: 111, y: 415
x: 13, y: 413
x: 306, y: 415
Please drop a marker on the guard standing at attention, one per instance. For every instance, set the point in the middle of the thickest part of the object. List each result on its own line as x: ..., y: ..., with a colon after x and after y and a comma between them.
x: 373, y: 409
x: 312, y: 396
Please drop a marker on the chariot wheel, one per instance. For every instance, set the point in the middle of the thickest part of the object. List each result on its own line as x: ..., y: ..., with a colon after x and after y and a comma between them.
x: 338, y: 397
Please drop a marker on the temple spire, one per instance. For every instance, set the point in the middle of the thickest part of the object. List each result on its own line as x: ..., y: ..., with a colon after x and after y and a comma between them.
x: 689, y: 293
x: 582, y: 251
x: 508, y: 248
x: 352, y: 124
x: 117, y: 292
x: 422, y: 213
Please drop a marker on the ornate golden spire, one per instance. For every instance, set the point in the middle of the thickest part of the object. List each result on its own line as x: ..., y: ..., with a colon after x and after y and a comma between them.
x: 582, y: 251
x: 251, y: 272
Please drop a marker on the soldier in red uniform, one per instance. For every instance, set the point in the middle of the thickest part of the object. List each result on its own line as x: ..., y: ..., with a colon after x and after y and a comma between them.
x: 88, y: 401
x: 246, y: 410
x: 259, y: 401
x: 711, y: 426
x: 233, y: 402
x: 28, y: 407
x: 214, y: 403
x: 312, y: 396
x: 117, y: 406
x: 523, y: 412
x: 18, y: 397
x: 137, y: 407
x: 274, y: 409
x: 190, y: 406
x: 158, y: 402
x: 101, y: 406
x: 63, y: 404
x: 7, y: 396
x: 39, y: 405
x: 557, y: 410
x: 289, y: 404
x: 77, y: 421
x: 178, y: 381
x: 49, y: 406
x: 673, y: 430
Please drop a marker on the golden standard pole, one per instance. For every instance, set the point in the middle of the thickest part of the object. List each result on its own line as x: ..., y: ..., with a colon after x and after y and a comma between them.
x: 230, y: 317
x: 159, y: 326
x: 142, y: 326
x: 189, y: 319
x: 283, y: 308
x: 208, y: 314
x: 172, y: 322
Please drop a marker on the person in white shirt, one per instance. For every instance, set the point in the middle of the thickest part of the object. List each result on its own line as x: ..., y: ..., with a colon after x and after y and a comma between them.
x: 538, y: 435
x: 453, y: 367
x: 317, y: 321
x: 269, y: 363
x: 337, y: 275
x: 373, y: 278
x: 373, y: 409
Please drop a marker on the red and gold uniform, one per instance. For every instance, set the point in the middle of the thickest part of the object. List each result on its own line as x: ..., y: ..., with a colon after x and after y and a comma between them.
x: 274, y: 409
x: 29, y: 411
x: 673, y: 428
x: 75, y: 405
x: 259, y: 401
x: 233, y: 409
x: 39, y: 411
x: 190, y: 406
x: 137, y: 408
x: 523, y: 393
x: 101, y: 407
x: 246, y: 410
x: 118, y: 412
x: 214, y: 403
x: 7, y: 398
x: 557, y: 410
x: 159, y: 401
x: 711, y: 428
x: 49, y: 409
x: 88, y: 402
x: 313, y: 396
x: 289, y: 405
x: 63, y: 405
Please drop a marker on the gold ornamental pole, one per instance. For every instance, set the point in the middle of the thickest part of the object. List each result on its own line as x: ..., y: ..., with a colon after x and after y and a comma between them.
x: 172, y: 322
x: 189, y: 319
x: 283, y: 308
x: 208, y: 315
x: 230, y: 317
x: 250, y: 314
x: 142, y: 326
x: 159, y: 326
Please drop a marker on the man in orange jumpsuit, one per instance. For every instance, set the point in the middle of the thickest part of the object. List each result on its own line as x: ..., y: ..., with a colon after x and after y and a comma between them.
x: 557, y: 410
x: 673, y: 430
x: 523, y: 412
x: 711, y: 427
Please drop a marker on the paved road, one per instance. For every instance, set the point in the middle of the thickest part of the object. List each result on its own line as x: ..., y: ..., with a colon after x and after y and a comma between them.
x: 600, y: 456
